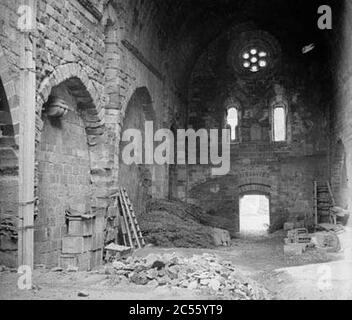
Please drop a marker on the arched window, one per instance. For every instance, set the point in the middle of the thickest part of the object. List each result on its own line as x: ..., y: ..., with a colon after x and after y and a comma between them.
x: 232, y: 122
x: 279, y: 123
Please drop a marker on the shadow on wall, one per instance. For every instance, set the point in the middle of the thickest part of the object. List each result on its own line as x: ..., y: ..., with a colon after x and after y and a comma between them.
x: 338, y: 172
x: 219, y: 198
x: 136, y: 179
x: 64, y: 159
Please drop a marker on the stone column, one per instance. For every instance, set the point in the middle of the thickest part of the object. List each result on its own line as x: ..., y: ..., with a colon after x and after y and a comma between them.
x: 26, y: 26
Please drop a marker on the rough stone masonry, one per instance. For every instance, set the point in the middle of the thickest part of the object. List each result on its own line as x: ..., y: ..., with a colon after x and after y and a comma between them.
x: 102, y: 67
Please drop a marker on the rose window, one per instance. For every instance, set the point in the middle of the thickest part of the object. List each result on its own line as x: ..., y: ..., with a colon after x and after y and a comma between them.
x: 254, y: 59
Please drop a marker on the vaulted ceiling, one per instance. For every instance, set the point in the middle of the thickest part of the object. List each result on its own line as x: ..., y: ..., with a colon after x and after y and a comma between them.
x: 190, y: 25
x: 187, y: 27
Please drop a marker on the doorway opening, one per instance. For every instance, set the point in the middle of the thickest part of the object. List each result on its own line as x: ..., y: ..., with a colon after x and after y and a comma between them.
x: 254, y: 214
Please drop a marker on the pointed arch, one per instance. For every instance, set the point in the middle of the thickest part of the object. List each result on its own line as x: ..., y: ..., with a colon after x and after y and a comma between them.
x: 9, y: 164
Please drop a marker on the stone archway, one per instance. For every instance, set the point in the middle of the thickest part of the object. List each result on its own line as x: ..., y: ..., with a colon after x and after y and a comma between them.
x: 137, y: 179
x: 8, y: 184
x: 9, y: 165
x: 10, y: 98
x: 69, y: 154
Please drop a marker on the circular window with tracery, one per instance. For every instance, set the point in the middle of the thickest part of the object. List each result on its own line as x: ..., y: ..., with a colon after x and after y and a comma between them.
x: 254, y: 59
x: 254, y: 54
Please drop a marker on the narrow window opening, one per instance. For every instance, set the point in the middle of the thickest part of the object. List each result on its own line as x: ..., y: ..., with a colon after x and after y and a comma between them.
x: 279, y: 123
x: 232, y: 121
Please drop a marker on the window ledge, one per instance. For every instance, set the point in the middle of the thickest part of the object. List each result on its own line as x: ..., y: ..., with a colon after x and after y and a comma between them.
x: 280, y: 143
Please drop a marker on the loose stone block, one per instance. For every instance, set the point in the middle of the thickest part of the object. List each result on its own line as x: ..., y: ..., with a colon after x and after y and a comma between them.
x: 68, y: 260
x: 289, y: 226
x: 84, y: 261
x: 294, y: 249
x: 73, y: 245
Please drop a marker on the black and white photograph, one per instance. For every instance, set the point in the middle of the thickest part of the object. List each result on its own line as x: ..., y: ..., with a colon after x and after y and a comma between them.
x: 175, y: 151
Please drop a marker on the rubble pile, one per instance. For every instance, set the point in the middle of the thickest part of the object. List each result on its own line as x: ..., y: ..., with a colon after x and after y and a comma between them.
x: 163, y: 229
x: 187, y: 210
x: 204, y: 273
x: 176, y: 224
x: 176, y: 208
x: 299, y: 240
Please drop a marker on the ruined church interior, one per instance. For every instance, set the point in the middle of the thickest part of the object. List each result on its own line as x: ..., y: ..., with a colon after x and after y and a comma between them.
x: 98, y: 103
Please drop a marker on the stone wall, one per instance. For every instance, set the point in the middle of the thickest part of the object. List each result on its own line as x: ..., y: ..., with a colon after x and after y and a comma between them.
x: 106, y: 51
x: 286, y: 169
x: 288, y: 182
x: 137, y: 178
x: 63, y: 179
x: 8, y: 184
x: 341, y: 107
x: 113, y: 58
x: 103, y: 53
x: 9, y: 131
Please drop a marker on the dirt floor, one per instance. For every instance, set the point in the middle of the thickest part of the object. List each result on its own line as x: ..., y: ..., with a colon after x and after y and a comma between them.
x: 314, y: 275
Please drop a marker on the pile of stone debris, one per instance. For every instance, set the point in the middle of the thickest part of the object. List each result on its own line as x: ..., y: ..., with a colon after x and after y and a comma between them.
x: 298, y: 240
x: 204, y: 273
x: 7, y: 269
x: 177, y: 224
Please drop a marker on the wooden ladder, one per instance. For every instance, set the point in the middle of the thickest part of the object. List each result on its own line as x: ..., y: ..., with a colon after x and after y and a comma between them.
x: 324, y: 200
x: 134, y: 232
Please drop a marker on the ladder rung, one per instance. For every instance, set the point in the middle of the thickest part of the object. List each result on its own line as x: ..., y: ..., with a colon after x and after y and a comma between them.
x: 136, y: 234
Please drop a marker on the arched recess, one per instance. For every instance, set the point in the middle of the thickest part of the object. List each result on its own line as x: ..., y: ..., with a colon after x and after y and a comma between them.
x: 69, y: 158
x: 10, y: 100
x: 137, y: 178
x: 9, y: 130
x: 8, y: 184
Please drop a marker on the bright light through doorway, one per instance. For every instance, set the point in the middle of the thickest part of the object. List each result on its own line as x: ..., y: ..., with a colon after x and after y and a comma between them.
x: 254, y: 214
